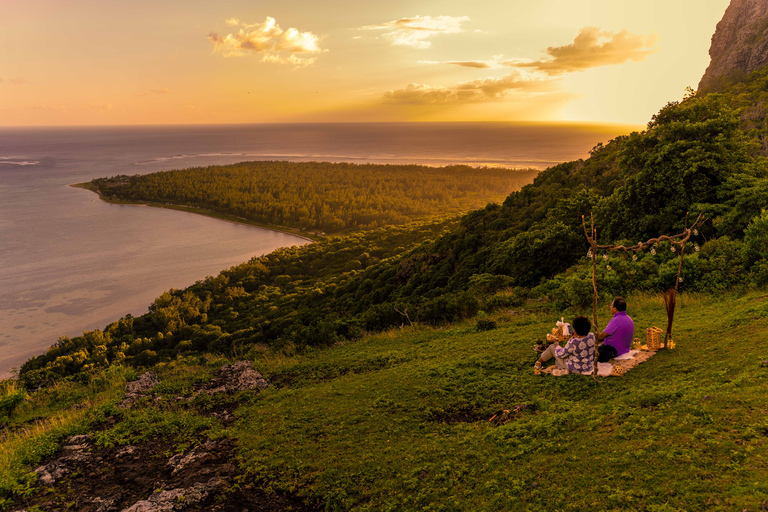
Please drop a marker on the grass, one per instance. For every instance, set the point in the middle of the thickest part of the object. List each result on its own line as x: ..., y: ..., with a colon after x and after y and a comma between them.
x: 399, y: 420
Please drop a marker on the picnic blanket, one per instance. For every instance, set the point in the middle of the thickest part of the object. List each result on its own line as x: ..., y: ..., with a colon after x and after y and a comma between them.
x: 626, y: 361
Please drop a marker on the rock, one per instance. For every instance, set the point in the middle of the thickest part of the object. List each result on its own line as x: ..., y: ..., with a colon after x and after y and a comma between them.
x: 127, y: 451
x: 181, y: 461
x: 235, y: 377
x: 139, y: 388
x: 739, y: 44
x: 144, y: 383
x: 51, y: 472
x: 104, y: 505
x: 224, y: 416
x: 178, y: 499
x: 81, y: 439
x: 77, y: 451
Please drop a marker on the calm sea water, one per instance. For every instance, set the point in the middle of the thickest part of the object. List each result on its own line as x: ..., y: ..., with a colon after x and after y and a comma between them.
x: 69, y: 262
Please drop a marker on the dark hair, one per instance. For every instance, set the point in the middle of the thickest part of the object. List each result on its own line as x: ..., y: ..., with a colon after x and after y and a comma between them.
x: 581, y: 325
x: 619, y: 303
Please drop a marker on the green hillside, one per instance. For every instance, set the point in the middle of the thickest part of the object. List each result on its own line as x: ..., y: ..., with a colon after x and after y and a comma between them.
x: 400, y: 420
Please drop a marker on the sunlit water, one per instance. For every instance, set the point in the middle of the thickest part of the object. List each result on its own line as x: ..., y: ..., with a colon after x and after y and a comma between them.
x: 69, y: 262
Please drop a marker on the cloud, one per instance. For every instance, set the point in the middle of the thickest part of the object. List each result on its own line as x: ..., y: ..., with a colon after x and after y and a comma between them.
x: 100, y: 107
x: 592, y: 48
x: 414, y: 31
x: 17, y: 80
x: 478, y: 64
x: 475, y: 91
x: 268, y: 40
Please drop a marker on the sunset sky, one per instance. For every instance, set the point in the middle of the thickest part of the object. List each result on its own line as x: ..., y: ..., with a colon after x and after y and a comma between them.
x: 90, y: 62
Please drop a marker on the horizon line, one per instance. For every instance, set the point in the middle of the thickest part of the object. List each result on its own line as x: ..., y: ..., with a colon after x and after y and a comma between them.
x: 146, y: 125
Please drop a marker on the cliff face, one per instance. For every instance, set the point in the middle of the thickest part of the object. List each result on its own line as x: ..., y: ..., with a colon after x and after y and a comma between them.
x: 739, y: 45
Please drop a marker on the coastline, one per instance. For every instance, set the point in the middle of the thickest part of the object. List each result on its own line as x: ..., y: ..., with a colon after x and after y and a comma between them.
x: 200, y: 211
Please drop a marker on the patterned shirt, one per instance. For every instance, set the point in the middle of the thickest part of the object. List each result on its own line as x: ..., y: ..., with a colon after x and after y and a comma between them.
x: 579, y: 354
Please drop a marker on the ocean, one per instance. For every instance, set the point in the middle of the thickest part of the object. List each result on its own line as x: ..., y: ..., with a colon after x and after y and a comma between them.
x: 70, y: 263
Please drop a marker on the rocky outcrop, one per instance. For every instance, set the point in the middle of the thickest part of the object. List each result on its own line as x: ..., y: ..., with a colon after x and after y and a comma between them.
x: 739, y: 45
x: 144, y: 477
x: 76, y: 450
x: 235, y: 377
x: 179, y: 499
x: 137, y: 389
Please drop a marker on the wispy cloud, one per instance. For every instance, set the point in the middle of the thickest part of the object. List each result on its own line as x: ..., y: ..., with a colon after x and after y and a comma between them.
x: 495, y: 62
x: 592, y: 48
x: 100, y: 107
x: 416, y: 30
x: 475, y: 91
x: 268, y: 40
x: 17, y: 80
x: 480, y: 64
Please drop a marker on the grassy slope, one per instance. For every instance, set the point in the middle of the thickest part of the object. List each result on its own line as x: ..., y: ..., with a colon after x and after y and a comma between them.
x: 684, y: 431
x: 398, y: 421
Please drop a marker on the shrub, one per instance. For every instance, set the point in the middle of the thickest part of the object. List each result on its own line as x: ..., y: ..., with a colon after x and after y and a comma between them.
x: 486, y: 325
x: 11, y: 396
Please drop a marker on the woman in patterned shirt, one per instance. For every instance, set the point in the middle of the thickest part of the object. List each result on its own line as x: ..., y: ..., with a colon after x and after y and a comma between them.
x: 578, y: 354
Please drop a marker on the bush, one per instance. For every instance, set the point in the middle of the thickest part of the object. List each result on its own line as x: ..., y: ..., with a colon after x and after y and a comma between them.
x: 11, y: 396
x: 756, y: 239
x: 486, y: 325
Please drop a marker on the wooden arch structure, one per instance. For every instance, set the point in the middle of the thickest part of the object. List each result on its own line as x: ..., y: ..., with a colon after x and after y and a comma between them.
x: 677, y: 241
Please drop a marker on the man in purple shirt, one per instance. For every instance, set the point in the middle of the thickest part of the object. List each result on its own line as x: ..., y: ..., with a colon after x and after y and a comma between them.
x: 617, y: 334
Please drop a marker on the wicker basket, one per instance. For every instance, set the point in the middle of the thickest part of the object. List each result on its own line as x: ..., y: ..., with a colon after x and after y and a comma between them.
x: 654, y: 338
x: 618, y: 371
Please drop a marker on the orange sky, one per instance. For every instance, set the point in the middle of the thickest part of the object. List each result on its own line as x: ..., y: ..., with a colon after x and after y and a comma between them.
x: 90, y: 62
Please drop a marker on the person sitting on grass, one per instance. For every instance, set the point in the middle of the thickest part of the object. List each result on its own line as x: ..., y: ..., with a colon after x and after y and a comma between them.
x: 617, y: 334
x: 578, y: 354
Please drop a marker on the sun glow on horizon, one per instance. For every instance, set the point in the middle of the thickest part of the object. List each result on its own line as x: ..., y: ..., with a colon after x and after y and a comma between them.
x: 600, y: 61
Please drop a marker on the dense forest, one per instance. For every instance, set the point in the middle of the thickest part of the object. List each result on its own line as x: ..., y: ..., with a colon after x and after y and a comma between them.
x: 322, y: 196
x: 702, y: 154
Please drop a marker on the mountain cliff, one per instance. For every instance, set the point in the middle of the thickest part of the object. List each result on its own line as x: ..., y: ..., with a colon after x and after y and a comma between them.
x: 739, y: 45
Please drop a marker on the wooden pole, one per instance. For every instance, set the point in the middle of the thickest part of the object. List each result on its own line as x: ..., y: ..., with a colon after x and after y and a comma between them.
x: 593, y: 245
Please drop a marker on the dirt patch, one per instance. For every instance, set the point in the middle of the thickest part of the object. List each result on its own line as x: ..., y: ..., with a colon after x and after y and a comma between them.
x: 453, y: 417
x: 503, y: 416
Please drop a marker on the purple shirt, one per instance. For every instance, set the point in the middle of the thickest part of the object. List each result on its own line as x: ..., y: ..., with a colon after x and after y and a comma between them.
x: 620, y: 330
